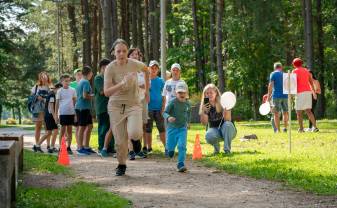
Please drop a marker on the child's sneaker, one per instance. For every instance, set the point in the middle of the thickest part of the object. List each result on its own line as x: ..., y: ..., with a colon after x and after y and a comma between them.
x: 132, y: 155
x: 141, y: 155
x: 50, y: 150
x: 70, y: 152
x: 104, y: 153
x: 82, y: 152
x: 145, y: 151
x: 170, y: 154
x: 284, y: 130
x: 38, y: 149
x: 313, y: 129
x: 149, y: 150
x: 181, y: 168
x: 89, y: 150
x: 34, y: 148
x: 120, y: 170
x: 300, y: 130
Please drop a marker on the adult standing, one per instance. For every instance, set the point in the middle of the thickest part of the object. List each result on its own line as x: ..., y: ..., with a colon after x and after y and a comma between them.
x: 78, y: 76
x: 303, y: 101
x: 156, y: 107
x: 124, y: 107
x: 317, y: 89
x: 41, y: 91
x: 279, y: 101
x: 219, y: 120
x: 101, y: 104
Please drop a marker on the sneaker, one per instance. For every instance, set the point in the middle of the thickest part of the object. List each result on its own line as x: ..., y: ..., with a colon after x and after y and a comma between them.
x: 171, y: 154
x: 50, y: 150
x: 34, y: 148
x: 38, y: 149
x: 166, y: 153
x: 137, y: 146
x: 141, y: 155
x: 55, y: 149
x: 120, y: 170
x: 181, y: 168
x: 227, y: 152
x: 300, y: 130
x: 307, y: 130
x: 88, y: 149
x: 284, y: 130
x: 82, y: 152
x: 314, y: 129
x: 132, y: 155
x: 149, y: 150
x: 104, y: 153
x: 70, y: 152
x: 144, y: 150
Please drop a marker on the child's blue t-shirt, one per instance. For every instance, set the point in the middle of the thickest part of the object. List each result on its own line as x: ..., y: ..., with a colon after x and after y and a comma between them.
x: 277, y: 77
x: 156, y: 89
x: 81, y: 103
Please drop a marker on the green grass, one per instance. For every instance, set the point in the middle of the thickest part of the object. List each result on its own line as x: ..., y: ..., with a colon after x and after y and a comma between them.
x: 77, y: 194
x: 43, y: 163
x: 312, y: 165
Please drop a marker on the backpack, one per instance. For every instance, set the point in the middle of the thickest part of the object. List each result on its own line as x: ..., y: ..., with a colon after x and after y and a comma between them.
x: 34, y: 105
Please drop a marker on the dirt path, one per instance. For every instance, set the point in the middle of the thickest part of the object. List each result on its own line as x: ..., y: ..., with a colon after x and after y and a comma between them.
x: 154, y: 182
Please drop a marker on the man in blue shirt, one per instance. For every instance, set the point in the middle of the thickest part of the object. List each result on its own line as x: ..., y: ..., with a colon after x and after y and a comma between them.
x: 156, y: 107
x: 83, y: 112
x: 279, y: 101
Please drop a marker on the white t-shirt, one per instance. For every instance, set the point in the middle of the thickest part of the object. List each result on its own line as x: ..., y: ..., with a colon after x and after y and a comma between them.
x: 169, y: 90
x: 66, y: 104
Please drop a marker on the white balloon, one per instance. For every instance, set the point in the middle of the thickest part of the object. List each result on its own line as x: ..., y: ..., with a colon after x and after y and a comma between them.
x: 264, y: 108
x: 228, y: 100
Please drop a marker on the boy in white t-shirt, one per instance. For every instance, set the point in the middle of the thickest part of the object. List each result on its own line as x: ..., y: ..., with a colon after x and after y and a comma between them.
x: 65, y: 109
x: 170, y: 85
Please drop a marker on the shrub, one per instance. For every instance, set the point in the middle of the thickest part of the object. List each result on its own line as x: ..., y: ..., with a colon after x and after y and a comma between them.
x: 11, y: 121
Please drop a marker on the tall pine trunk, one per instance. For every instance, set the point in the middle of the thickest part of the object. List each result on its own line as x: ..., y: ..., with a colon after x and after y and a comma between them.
x: 198, y: 48
x: 106, y: 6
x: 114, y: 10
x: 212, y: 12
x: 134, y: 28
x: 320, y: 71
x: 100, y: 28
x: 140, y: 37
x: 146, y: 28
x: 95, y: 36
x: 86, y: 33
x: 124, y: 11
x: 307, y: 12
x: 73, y: 31
x: 219, y: 15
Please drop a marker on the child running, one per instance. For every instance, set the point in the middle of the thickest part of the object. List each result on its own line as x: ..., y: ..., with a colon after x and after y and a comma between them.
x: 177, y: 113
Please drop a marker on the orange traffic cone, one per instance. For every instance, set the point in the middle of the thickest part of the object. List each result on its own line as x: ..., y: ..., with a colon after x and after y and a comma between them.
x: 63, y: 154
x: 197, y: 153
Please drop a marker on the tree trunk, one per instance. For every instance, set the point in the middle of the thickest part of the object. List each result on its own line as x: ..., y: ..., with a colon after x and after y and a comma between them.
x: 95, y: 36
x: 140, y: 37
x: 146, y: 28
x: 0, y: 112
x: 307, y: 11
x: 320, y: 71
x: 100, y: 28
x: 114, y: 11
x: 86, y: 33
x: 125, y: 20
x: 19, y: 115
x: 169, y: 35
x: 198, y: 48
x: 156, y: 45
x: 13, y: 113
x: 134, y: 28
x: 212, y: 35
x: 106, y: 6
x: 221, y: 76
x: 154, y: 29
x: 73, y: 31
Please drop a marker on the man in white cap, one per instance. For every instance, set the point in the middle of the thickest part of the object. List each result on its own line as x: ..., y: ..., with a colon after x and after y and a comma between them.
x: 170, y: 85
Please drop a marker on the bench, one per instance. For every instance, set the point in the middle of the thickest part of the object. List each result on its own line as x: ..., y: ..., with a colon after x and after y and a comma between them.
x: 7, y: 173
x: 19, y: 147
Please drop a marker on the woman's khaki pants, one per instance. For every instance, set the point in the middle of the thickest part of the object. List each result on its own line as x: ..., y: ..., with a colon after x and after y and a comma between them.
x: 126, y: 122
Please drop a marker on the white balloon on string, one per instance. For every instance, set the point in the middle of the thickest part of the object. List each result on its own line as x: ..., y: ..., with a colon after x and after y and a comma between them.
x: 228, y: 100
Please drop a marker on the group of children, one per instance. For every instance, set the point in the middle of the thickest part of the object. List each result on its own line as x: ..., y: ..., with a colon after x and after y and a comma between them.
x: 70, y: 104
